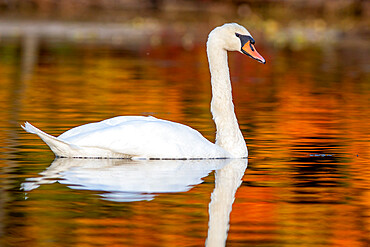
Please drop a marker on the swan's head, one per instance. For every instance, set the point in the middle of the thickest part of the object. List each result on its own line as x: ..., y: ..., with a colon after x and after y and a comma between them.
x: 234, y: 37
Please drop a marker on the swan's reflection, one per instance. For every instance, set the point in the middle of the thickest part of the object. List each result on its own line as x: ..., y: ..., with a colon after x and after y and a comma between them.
x: 126, y: 180
x: 228, y: 180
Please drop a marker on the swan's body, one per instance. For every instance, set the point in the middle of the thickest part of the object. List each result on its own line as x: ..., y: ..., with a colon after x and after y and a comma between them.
x: 149, y: 137
x: 131, y: 137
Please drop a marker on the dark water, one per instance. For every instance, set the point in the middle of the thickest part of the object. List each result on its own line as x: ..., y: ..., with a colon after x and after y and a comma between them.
x: 305, y: 116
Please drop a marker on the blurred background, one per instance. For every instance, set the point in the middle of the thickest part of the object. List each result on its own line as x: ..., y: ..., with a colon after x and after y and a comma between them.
x: 283, y: 23
x: 304, y: 114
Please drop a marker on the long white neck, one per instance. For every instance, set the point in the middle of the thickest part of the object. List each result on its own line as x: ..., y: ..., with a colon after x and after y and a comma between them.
x: 228, y: 134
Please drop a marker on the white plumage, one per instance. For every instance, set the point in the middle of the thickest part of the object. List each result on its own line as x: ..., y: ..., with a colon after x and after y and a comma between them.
x: 131, y: 137
x: 139, y: 137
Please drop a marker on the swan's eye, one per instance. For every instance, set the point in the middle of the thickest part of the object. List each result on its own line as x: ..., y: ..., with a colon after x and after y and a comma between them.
x: 237, y: 35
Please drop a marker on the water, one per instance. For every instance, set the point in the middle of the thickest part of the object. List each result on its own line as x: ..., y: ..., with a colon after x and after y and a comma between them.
x: 305, y: 117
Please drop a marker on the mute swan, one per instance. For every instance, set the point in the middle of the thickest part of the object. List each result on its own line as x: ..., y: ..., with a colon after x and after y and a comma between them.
x: 139, y: 137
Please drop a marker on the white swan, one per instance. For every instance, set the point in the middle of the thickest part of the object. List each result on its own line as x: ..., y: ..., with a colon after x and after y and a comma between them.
x: 139, y: 137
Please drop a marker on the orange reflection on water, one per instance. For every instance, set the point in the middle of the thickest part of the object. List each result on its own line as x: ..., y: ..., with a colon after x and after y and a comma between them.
x: 289, y: 109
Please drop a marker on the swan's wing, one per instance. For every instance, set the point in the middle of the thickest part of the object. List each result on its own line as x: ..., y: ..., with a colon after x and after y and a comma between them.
x: 145, y: 137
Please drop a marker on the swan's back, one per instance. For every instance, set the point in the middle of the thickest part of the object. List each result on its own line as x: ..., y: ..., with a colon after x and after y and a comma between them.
x: 91, y: 127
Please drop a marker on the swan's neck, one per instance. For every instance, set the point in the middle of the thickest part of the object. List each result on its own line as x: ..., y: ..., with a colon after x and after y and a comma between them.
x: 228, y: 134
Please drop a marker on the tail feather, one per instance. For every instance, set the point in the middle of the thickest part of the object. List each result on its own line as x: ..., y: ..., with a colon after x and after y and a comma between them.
x: 60, y: 148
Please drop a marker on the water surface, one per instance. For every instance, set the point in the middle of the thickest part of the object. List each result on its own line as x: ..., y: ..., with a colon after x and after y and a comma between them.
x: 304, y: 115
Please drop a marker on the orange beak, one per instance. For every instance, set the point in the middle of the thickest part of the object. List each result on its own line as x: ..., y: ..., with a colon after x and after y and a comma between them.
x: 249, y: 50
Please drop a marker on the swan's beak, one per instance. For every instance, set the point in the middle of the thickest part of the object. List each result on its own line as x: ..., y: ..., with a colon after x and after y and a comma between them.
x: 249, y: 49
